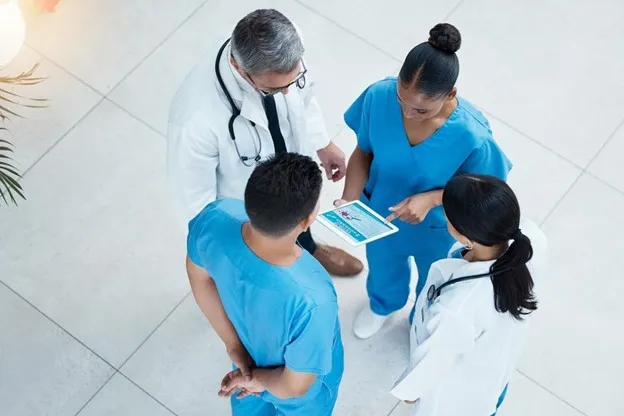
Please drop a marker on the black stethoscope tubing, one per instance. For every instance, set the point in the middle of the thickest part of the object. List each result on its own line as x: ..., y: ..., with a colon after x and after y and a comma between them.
x: 434, y: 292
x: 235, y: 113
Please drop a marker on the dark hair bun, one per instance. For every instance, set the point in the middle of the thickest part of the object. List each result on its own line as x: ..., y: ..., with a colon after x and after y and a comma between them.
x: 445, y: 37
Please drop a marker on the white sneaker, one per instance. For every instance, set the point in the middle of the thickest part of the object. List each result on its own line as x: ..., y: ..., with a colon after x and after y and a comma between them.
x: 368, y: 323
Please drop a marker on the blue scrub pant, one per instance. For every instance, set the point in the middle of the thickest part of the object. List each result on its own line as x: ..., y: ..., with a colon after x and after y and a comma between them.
x: 388, y: 264
x: 321, y: 404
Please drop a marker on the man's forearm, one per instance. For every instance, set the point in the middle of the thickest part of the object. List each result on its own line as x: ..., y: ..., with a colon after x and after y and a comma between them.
x: 273, y: 381
x: 207, y: 298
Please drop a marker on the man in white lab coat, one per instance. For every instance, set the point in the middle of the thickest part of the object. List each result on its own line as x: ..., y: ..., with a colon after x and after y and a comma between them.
x: 245, y: 101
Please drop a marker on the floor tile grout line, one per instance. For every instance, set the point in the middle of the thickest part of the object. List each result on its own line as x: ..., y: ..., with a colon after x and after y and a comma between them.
x: 115, y: 369
x: 551, y: 393
x: 134, y: 68
x: 363, y: 39
x: 604, y: 182
x: 453, y: 10
x: 155, y: 329
x: 156, y: 48
x: 100, y: 93
x: 146, y: 392
x: 96, y: 393
x: 558, y: 203
x: 394, y: 408
x: 58, y: 325
x: 527, y: 136
x: 69, y: 130
x: 65, y: 70
x: 366, y: 41
x: 578, y: 178
x: 609, y: 138
x: 135, y: 117
x: 446, y: 17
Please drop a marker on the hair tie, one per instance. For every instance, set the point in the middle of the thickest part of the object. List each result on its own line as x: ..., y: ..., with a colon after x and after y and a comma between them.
x: 516, y: 235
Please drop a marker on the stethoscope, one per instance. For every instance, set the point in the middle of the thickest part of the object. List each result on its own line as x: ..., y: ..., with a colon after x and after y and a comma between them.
x: 235, y: 113
x: 434, y: 292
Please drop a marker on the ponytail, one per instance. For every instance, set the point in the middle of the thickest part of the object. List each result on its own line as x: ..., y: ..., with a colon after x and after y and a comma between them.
x: 512, y: 282
x: 485, y: 210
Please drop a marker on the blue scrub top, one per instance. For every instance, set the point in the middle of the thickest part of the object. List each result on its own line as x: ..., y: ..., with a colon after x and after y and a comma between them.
x: 283, y: 315
x: 464, y: 144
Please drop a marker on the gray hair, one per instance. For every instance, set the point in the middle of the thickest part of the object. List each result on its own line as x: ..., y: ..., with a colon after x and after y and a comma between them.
x: 266, y: 41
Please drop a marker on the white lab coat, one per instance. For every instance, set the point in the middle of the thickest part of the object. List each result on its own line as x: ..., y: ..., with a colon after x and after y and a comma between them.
x: 463, y: 352
x: 202, y: 161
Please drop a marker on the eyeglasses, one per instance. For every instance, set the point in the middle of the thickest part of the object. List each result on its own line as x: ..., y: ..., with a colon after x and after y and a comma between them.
x: 300, y: 82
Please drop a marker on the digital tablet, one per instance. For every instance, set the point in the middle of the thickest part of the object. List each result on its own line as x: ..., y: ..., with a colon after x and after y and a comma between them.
x: 356, y: 223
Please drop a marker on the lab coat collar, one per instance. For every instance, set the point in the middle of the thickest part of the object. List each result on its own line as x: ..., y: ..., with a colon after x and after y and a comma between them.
x: 245, y: 96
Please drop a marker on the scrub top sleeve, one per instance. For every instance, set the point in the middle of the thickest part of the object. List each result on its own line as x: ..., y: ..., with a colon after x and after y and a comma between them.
x: 488, y: 159
x: 312, y: 339
x: 192, y: 251
x: 432, y: 360
x: 356, y: 117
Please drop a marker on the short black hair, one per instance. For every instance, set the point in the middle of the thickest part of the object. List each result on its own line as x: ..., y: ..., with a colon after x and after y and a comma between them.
x: 433, y: 67
x: 281, y: 192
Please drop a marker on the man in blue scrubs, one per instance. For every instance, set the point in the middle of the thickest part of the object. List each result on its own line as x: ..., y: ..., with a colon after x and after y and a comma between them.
x: 413, y: 135
x: 276, y: 301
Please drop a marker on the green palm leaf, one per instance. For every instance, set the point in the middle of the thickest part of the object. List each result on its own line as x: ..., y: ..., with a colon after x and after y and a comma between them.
x: 10, y: 188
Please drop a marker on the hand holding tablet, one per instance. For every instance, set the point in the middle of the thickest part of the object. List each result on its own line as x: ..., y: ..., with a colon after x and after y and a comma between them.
x: 356, y: 223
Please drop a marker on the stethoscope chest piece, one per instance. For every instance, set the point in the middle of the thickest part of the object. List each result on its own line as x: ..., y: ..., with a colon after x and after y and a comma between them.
x: 432, y: 293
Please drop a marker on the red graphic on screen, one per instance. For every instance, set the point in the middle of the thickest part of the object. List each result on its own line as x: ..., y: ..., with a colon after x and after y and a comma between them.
x: 347, y: 216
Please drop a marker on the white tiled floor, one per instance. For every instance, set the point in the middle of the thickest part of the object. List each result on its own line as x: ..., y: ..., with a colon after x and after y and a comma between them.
x: 94, y: 313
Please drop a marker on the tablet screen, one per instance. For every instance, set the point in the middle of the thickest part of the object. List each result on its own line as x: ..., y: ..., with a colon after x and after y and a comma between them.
x: 356, y: 223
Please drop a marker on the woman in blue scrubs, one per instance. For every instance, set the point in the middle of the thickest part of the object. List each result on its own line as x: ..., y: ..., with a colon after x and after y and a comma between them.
x: 413, y: 135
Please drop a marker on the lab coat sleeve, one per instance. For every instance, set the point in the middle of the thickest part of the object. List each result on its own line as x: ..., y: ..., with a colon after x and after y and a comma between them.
x: 315, y: 123
x: 434, y: 358
x: 192, y: 161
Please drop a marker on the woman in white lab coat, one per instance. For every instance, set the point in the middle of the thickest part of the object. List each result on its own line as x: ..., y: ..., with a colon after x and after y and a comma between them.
x: 471, y: 322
